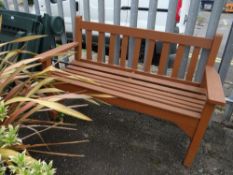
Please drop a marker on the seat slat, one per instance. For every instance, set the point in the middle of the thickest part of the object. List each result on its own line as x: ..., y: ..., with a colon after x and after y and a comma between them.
x: 134, y: 98
x: 151, y: 87
x: 193, y: 63
x: 135, y: 75
x: 163, y: 59
x: 149, y: 56
x: 100, y: 47
x: 142, y: 91
x: 178, y: 59
x: 153, y: 97
x: 124, y: 48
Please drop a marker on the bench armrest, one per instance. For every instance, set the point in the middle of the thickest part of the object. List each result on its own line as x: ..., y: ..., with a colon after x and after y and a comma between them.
x: 45, y: 57
x: 214, y: 87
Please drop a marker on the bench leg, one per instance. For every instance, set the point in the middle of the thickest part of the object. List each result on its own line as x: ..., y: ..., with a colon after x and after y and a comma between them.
x: 198, y: 135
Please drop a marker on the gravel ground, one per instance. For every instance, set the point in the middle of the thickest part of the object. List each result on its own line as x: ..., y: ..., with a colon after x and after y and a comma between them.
x: 123, y: 142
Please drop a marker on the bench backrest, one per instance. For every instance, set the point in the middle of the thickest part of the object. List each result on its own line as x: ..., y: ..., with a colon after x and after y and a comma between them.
x: 128, y: 33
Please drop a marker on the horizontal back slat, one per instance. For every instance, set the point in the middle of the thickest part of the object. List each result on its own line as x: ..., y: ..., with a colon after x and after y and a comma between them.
x: 149, y: 34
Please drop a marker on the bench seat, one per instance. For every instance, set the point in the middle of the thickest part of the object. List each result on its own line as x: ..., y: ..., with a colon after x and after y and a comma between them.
x: 156, y: 92
x: 184, y: 99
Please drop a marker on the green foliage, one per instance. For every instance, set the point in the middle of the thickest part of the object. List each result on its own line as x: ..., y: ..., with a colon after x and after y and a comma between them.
x: 25, y: 92
x: 21, y: 166
x: 2, y: 168
x: 9, y: 136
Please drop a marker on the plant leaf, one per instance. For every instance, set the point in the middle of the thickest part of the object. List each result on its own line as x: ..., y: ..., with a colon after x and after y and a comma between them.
x: 23, y: 39
x: 6, y: 153
x: 53, y: 105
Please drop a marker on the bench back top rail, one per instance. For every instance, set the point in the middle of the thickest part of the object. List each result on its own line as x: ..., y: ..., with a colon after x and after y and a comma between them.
x: 138, y: 35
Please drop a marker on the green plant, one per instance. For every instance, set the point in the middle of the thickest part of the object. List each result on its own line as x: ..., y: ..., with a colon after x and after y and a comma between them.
x: 9, y: 136
x: 25, y: 92
x: 20, y: 164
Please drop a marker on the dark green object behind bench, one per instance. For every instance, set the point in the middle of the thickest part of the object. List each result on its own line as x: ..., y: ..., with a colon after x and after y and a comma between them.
x: 19, y: 24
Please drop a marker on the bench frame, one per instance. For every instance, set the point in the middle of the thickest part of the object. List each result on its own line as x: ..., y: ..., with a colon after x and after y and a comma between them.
x: 210, y: 85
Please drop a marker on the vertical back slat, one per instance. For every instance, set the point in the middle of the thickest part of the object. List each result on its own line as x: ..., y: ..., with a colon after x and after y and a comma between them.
x: 149, y: 55
x: 163, y: 58
x: 100, y: 47
x: 78, y: 37
x: 214, y: 50
x: 124, y: 48
x: 136, y: 53
x: 193, y: 63
x: 178, y: 59
x: 89, y: 44
x: 112, y: 48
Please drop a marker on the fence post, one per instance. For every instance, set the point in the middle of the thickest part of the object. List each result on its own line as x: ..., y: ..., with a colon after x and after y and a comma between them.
x: 101, y: 17
x: 48, y: 7
x: 101, y: 11
x: 73, y: 14
x: 61, y: 14
x: 16, y: 7
x: 133, y: 23
x: 171, y: 16
x: 5, y: 2
x: 37, y: 7
x: 227, y: 56
x: 211, y: 30
x: 229, y: 108
x: 86, y: 10
x: 25, y: 6
x: 117, y: 21
x: 189, y: 30
x: 151, y: 19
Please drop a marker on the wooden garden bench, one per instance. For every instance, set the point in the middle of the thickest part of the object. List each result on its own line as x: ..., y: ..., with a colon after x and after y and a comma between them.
x: 155, y: 92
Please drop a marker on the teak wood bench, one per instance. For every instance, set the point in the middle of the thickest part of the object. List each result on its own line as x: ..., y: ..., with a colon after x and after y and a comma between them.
x: 156, y: 92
